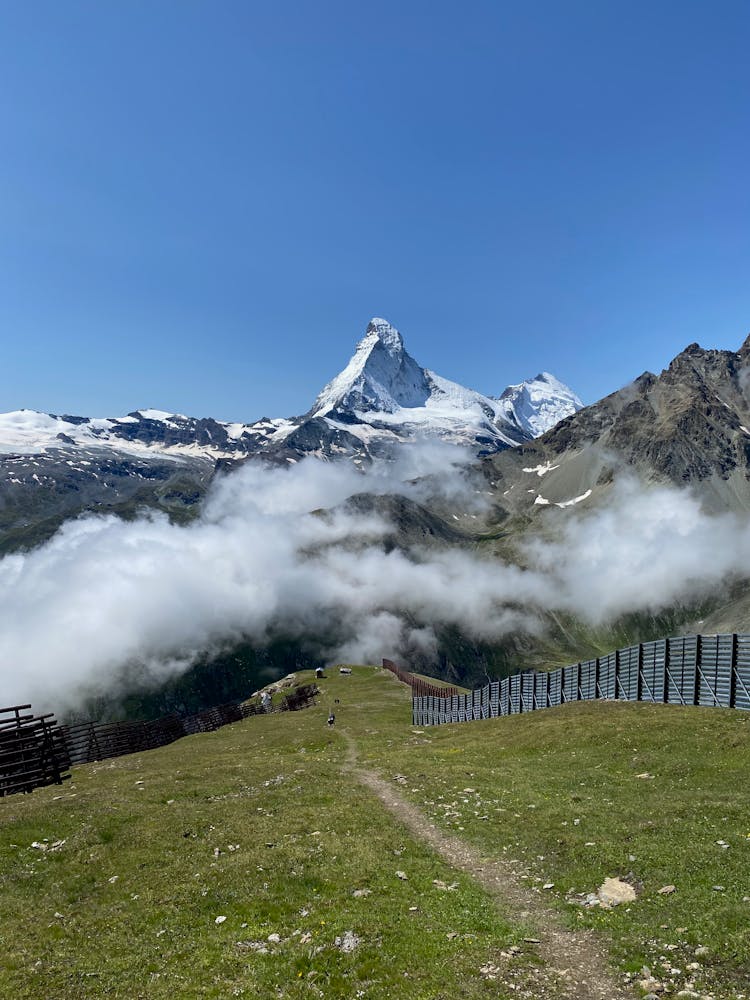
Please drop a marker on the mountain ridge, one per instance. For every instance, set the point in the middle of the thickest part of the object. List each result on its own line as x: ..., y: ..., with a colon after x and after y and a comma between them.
x: 380, y: 389
x: 687, y: 426
x: 54, y: 467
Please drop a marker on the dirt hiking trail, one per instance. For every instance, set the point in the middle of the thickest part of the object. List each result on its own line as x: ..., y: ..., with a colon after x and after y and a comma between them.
x: 574, y: 964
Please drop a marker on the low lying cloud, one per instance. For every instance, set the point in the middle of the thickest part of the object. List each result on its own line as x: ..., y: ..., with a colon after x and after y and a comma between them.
x: 105, y: 596
x: 647, y: 550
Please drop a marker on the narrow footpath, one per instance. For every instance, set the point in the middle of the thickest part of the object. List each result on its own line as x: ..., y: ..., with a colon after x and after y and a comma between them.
x: 574, y: 965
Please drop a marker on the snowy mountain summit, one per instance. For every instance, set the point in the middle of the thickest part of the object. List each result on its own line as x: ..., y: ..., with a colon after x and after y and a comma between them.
x: 539, y: 403
x: 380, y: 376
x: 59, y: 465
x: 383, y: 393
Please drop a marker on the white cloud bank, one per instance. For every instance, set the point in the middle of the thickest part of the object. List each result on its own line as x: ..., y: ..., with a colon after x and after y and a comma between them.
x: 105, y: 595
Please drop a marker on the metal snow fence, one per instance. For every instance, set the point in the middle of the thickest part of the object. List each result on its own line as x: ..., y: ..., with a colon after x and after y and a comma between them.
x: 587, y: 687
x: 527, y: 691
x: 541, y: 690
x: 653, y: 671
x: 486, y: 701
x: 681, y: 668
x: 476, y: 703
x: 505, y: 696
x: 715, y: 670
x: 514, y: 694
x: 605, y: 681
x: 495, y: 699
x: 684, y: 670
x: 627, y: 673
x: 742, y: 673
x: 570, y: 675
x: 32, y: 751
x: 90, y: 741
x: 555, y: 687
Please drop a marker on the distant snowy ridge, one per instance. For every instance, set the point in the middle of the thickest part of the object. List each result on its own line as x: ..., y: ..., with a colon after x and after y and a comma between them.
x: 142, y: 432
x: 381, y: 397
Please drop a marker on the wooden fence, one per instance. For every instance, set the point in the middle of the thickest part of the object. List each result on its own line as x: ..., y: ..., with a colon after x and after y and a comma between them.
x: 88, y: 741
x: 35, y: 751
x: 32, y: 751
x: 711, y: 670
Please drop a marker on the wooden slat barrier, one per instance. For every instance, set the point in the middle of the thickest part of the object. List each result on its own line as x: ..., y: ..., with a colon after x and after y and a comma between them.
x: 32, y: 751
x: 35, y: 751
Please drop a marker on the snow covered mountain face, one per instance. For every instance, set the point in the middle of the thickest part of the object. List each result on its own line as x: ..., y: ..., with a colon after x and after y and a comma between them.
x: 383, y: 396
x: 52, y: 467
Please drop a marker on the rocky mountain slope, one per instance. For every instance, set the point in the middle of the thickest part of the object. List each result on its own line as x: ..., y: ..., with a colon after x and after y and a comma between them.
x: 688, y: 426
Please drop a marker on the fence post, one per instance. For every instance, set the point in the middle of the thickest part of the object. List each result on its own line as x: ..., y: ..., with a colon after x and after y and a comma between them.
x: 616, y: 689
x: 697, y: 679
x: 733, y: 673
x: 639, y: 682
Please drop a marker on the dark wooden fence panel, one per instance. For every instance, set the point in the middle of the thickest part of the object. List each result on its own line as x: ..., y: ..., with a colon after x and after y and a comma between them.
x: 35, y: 751
x: 32, y: 751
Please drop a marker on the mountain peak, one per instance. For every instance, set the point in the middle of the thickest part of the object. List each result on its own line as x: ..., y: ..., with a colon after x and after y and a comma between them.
x: 386, y: 334
x: 381, y: 376
x: 537, y: 404
x: 383, y: 382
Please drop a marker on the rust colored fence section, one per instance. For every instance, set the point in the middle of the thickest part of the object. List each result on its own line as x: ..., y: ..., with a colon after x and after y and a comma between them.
x: 32, y: 751
x: 419, y: 686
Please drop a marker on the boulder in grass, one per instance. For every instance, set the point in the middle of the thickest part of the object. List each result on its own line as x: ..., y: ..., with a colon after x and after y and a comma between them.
x: 614, y: 891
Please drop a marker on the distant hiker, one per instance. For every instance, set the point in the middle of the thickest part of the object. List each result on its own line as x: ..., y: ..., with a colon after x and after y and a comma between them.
x: 265, y: 701
x: 319, y: 673
x: 331, y: 718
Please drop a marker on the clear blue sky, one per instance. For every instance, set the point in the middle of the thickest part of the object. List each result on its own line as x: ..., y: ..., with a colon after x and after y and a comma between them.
x: 202, y: 203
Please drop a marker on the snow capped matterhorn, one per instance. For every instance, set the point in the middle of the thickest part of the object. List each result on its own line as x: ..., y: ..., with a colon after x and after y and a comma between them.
x: 380, y: 399
x: 384, y: 393
x: 381, y: 376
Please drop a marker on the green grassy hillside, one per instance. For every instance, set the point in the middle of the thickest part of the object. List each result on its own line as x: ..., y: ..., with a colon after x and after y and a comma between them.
x: 267, y: 824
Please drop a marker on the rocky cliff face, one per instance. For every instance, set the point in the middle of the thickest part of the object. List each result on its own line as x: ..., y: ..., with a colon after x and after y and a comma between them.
x: 690, y: 425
